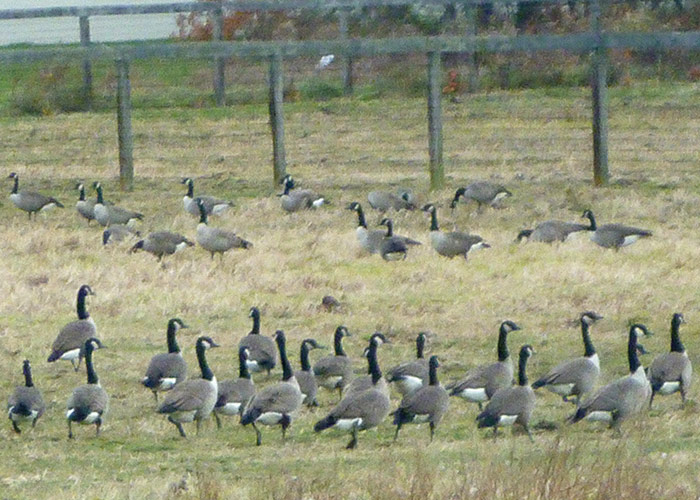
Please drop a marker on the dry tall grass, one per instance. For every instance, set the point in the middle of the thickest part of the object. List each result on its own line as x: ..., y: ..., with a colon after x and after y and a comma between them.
x: 538, y: 144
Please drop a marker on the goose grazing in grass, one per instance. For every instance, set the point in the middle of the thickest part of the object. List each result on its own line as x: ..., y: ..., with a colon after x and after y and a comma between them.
x: 427, y: 404
x: 293, y: 200
x: 335, y: 372
x: 482, y: 192
x: 482, y: 382
x: 453, y: 243
x: 30, y: 201
x: 169, y: 368
x: 613, y: 235
x: 212, y: 205
x: 511, y: 405
x: 235, y: 394
x: 365, y: 382
x: 278, y: 403
x: 262, y: 351
x: 360, y: 410
x: 622, y: 398
x: 385, y: 200
x: 88, y: 403
x: 107, y: 214
x: 215, y: 240
x: 162, y: 243
x: 551, y: 231
x: 578, y: 376
x: 305, y: 377
x: 26, y: 403
x: 369, y: 240
x: 70, y: 341
x: 410, y: 376
x: 193, y: 399
x: 117, y: 233
x: 672, y: 372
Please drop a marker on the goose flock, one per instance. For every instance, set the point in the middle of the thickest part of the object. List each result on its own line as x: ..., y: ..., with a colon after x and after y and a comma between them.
x: 503, y: 394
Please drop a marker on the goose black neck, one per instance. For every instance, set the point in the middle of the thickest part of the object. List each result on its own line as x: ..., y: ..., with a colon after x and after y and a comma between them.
x: 242, y: 365
x: 304, y: 355
x: 100, y: 199
x: 420, y: 346
x: 361, y: 222
x: 522, y: 368
x: 591, y: 218
x: 432, y: 374
x: 503, y: 353
x: 287, y: 371
x: 389, y: 229
x: 15, y: 187
x: 676, y: 344
x: 202, y: 214
x: 81, y: 192
x: 373, y: 364
x: 632, y: 350
x: 589, y: 350
x: 287, y: 188
x: 433, y: 220
x: 172, y: 342
x: 256, y: 323
x: 91, y: 374
x: 338, y: 343
x: 28, y: 382
x: 190, y: 189
x: 207, y: 374
x: 82, y: 310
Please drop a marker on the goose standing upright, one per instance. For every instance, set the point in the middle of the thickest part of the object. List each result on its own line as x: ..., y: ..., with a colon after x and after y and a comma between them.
x: 71, y: 339
x: 511, y: 405
x: 166, y: 370
x: 86, y: 208
x: 453, y: 243
x: 369, y: 240
x: 577, y: 376
x: 672, y: 372
x: 276, y: 404
x: 30, y: 201
x: 613, y: 235
x: 482, y: 382
x: 235, y: 394
x: 194, y: 399
x: 622, y: 398
x: 394, y: 247
x: 365, y: 382
x: 215, y: 240
x: 25, y: 403
x: 305, y: 377
x: 410, y: 376
x: 335, y: 372
x: 88, y: 403
x: 262, y: 352
x: 427, y: 404
x: 107, y: 214
x: 212, y: 205
x: 359, y: 410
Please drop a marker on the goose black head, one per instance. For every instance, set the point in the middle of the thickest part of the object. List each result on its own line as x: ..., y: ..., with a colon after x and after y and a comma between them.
x: 85, y: 290
x: 353, y: 206
x: 254, y: 311
x: 186, y: 180
x: 26, y: 367
x: 639, y: 330
x: 96, y: 185
x: 206, y: 342
x: 312, y: 344
x: 430, y: 208
x: 378, y: 339
x: 79, y: 186
x: 509, y: 326
x: 590, y: 317
x: 677, y: 319
x: 177, y: 323
x: 137, y: 246
x: 434, y: 361
x: 525, y: 233
x: 12, y: 175
x: 458, y: 193
x: 526, y: 351
x: 93, y: 343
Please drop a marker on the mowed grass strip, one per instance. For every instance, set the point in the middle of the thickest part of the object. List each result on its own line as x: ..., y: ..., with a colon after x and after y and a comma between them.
x: 535, y: 142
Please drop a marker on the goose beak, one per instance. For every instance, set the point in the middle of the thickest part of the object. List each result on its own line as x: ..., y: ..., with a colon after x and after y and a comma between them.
x: 214, y: 344
x: 184, y: 326
x: 319, y: 346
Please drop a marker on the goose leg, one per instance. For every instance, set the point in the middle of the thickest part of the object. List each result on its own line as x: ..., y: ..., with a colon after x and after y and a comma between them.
x: 16, y: 428
x: 98, y: 425
x: 218, y: 420
x: 529, y: 434
x: 179, y: 426
x: 495, y: 431
x: 70, y: 430
x: 155, y: 395
x: 285, y: 423
x: 432, y: 431
x: 480, y: 406
x: 258, y: 435
x: 396, y: 434
x: 651, y: 399
x: 353, y: 442
x: 682, y: 396
x: 199, y: 422
x: 75, y: 367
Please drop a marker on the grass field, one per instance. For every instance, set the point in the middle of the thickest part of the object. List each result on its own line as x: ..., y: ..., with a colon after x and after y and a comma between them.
x: 535, y: 142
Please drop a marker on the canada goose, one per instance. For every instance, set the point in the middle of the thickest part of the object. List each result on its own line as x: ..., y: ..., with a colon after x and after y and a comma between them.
x: 262, y: 352
x: 551, y: 231
x: 359, y: 410
x: 167, y: 369
x: 234, y: 394
x: 613, y: 235
x: 86, y: 208
x: 575, y: 377
x: 30, y: 201
x: 294, y: 200
x: 335, y: 372
x: 384, y: 200
x: 88, y: 403
x: 107, y: 214
x: 118, y: 232
x: 26, y: 403
x: 511, y: 405
x: 483, y: 193
x: 392, y: 247
x: 193, y: 399
x: 71, y: 339
x: 672, y: 372
x: 453, y: 243
x: 216, y: 240
x: 623, y: 397
x: 162, y: 243
x: 427, y: 404
x: 278, y: 403
x: 369, y: 240
x: 213, y: 206
x: 410, y: 376
x: 305, y: 377
x: 389, y: 236
x: 482, y: 382
x: 365, y: 382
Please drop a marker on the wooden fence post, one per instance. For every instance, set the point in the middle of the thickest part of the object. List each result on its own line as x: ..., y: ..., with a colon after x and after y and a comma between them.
x: 126, y: 141
x: 84, y: 23
x: 219, y: 62
x: 437, y: 172
x: 599, y: 87
x: 347, y: 60
x: 277, y: 117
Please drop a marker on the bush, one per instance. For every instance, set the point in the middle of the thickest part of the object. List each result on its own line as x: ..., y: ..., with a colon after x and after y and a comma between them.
x: 320, y: 90
x: 52, y: 91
